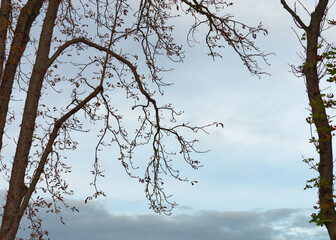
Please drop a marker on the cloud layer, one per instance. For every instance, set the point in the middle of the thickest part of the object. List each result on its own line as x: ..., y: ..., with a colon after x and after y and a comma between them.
x: 93, y: 222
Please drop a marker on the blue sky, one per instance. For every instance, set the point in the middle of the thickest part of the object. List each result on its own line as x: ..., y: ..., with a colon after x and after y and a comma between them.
x: 253, y: 178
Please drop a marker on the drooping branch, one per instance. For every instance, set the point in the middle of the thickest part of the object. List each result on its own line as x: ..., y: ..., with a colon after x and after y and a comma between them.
x: 228, y: 29
x: 113, y: 54
x: 159, y: 161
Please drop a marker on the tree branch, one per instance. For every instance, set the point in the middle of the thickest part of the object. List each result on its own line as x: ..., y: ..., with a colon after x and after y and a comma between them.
x: 294, y: 15
x: 61, y: 49
x: 107, y: 50
x: 133, y: 69
x: 49, y: 146
x: 228, y: 29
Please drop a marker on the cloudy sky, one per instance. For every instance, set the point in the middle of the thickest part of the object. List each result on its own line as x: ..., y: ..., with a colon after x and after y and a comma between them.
x: 251, y: 185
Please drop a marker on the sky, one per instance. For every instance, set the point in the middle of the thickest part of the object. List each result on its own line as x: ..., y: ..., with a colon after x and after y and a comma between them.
x: 252, y: 180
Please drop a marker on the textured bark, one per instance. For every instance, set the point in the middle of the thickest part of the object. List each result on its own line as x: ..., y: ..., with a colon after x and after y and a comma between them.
x: 320, y: 118
x: 6, y: 8
x: 319, y: 115
x: 17, y: 189
x: 21, y: 37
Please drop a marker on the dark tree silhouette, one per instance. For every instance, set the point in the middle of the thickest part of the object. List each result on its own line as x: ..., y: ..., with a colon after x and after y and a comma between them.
x: 119, y: 43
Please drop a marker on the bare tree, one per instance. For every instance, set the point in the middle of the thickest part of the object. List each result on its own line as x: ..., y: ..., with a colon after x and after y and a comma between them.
x: 119, y: 49
x: 319, y: 62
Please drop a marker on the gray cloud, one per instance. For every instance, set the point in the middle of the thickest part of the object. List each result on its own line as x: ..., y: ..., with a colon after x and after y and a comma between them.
x: 94, y: 222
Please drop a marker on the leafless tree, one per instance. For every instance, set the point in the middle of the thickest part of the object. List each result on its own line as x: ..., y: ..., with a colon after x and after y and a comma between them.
x: 119, y: 42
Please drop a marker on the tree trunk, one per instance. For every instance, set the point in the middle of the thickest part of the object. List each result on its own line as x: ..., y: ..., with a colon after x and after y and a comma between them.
x: 6, y: 8
x: 321, y: 121
x: 17, y: 189
x: 320, y: 118
x: 27, y: 16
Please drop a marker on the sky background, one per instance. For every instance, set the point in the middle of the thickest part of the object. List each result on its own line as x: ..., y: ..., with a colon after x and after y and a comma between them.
x: 251, y: 185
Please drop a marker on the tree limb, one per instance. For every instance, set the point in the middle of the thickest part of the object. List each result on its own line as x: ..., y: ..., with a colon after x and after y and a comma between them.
x: 49, y: 146
x: 61, y: 49
x: 294, y: 15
